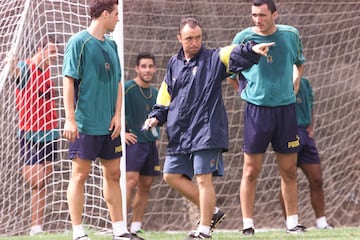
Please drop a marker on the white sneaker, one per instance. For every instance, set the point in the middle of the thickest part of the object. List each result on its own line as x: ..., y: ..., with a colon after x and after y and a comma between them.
x: 35, y: 231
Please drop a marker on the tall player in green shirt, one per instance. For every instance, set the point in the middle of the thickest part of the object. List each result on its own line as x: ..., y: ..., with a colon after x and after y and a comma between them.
x: 270, y: 110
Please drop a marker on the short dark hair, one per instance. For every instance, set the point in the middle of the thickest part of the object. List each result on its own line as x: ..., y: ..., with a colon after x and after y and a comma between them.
x: 45, y: 41
x: 98, y: 6
x: 269, y: 3
x: 146, y: 55
x: 193, y: 22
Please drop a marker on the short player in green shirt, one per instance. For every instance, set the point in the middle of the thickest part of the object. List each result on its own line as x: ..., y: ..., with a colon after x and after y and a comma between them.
x: 142, y: 161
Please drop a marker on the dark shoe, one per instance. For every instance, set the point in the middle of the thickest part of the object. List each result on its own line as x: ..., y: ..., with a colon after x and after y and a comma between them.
x: 85, y: 237
x: 194, y: 235
x: 297, y: 229
x: 216, y: 219
x: 248, y: 231
x: 125, y: 236
x: 134, y: 236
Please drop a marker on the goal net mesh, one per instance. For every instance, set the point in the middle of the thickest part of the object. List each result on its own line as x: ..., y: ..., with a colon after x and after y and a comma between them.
x: 330, y: 35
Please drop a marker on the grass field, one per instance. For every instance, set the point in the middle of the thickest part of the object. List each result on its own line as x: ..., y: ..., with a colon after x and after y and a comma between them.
x: 333, y: 234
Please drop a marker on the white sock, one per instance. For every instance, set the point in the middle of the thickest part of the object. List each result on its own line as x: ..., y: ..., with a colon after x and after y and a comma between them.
x: 204, y: 229
x: 292, y: 221
x: 35, y: 230
x: 248, y: 223
x: 135, y: 226
x: 216, y: 209
x: 321, y: 222
x: 78, y: 231
x: 119, y: 228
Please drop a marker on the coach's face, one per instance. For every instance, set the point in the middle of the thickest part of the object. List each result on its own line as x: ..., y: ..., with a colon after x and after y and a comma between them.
x: 190, y: 39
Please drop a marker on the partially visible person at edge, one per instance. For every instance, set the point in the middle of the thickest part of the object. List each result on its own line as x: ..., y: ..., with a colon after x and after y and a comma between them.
x: 308, y: 157
x: 190, y: 102
x: 38, y: 123
x: 92, y: 101
x: 142, y: 161
x: 270, y: 115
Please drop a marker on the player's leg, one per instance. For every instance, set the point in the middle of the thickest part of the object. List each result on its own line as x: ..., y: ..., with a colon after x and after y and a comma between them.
x: 251, y: 170
x: 75, y: 192
x: 141, y: 199
x: 207, y: 163
x: 184, y: 186
x: 38, y: 167
x: 287, y: 168
x: 110, y: 160
x: 35, y: 175
x: 286, y: 144
x: 314, y: 175
x: 132, y: 180
x: 257, y: 135
x: 82, y: 152
x: 142, y: 164
x: 178, y: 172
x: 111, y: 188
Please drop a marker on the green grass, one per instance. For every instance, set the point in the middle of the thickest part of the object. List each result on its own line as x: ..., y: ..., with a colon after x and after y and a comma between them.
x: 333, y: 234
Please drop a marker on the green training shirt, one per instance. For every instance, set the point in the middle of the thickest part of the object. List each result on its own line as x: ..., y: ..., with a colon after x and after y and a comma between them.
x: 95, y: 66
x: 138, y: 104
x: 270, y: 82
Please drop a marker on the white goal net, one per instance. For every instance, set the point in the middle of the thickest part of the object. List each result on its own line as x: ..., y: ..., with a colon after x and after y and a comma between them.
x: 331, y: 37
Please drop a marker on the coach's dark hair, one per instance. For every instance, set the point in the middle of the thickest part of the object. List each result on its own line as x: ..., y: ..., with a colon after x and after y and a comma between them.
x: 98, y: 6
x: 269, y: 3
x: 193, y: 22
x: 146, y: 55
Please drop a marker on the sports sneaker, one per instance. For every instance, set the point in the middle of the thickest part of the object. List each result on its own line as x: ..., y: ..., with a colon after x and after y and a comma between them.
x: 216, y: 219
x: 297, y: 229
x: 134, y: 236
x: 33, y: 233
x: 85, y: 237
x: 329, y: 226
x: 194, y: 235
x: 125, y: 236
x: 248, y: 231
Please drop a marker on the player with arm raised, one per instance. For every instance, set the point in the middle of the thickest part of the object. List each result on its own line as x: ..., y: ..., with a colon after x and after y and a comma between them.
x: 190, y: 102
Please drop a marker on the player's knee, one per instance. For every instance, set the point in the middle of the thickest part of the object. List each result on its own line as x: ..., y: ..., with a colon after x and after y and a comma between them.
x: 79, y: 178
x: 38, y: 185
x: 316, y: 184
x: 251, y: 174
x: 170, y: 178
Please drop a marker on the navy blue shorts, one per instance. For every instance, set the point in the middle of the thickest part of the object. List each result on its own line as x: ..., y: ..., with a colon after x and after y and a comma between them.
x: 37, y: 152
x: 143, y: 158
x: 275, y: 125
x: 308, y: 153
x: 90, y: 147
x: 200, y: 162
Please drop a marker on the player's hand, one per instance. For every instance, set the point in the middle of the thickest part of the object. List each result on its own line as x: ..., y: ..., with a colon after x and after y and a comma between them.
x: 115, y: 127
x: 150, y: 123
x: 70, y: 130
x: 262, y: 48
x: 12, y: 60
x: 130, y: 138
